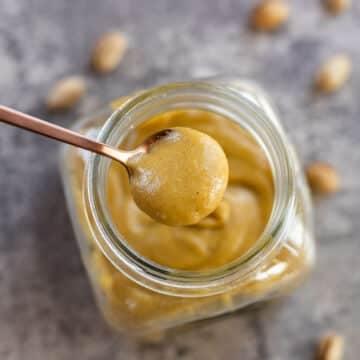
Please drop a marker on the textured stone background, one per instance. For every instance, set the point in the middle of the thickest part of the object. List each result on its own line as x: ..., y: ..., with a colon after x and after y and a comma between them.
x: 46, y: 306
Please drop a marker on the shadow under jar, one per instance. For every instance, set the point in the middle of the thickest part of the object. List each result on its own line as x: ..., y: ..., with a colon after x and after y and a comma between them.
x: 258, y: 245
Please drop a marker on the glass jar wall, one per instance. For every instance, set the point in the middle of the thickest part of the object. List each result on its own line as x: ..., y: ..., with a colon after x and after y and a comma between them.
x: 142, y: 288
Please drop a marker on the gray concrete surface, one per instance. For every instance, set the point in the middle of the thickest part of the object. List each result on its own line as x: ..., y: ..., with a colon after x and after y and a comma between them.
x: 46, y: 306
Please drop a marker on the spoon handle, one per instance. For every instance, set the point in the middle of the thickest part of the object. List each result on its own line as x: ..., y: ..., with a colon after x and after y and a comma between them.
x: 27, y: 122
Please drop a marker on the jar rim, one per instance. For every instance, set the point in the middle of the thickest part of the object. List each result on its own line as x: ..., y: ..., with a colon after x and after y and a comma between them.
x: 218, y: 97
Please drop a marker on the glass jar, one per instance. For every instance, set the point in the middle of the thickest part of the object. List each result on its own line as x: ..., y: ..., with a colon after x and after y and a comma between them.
x: 140, y: 297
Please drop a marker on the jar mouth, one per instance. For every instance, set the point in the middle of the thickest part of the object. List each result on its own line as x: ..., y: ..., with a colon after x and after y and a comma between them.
x: 235, y: 106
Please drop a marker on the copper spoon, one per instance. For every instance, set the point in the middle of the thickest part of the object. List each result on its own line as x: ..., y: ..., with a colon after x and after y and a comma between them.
x: 27, y: 122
